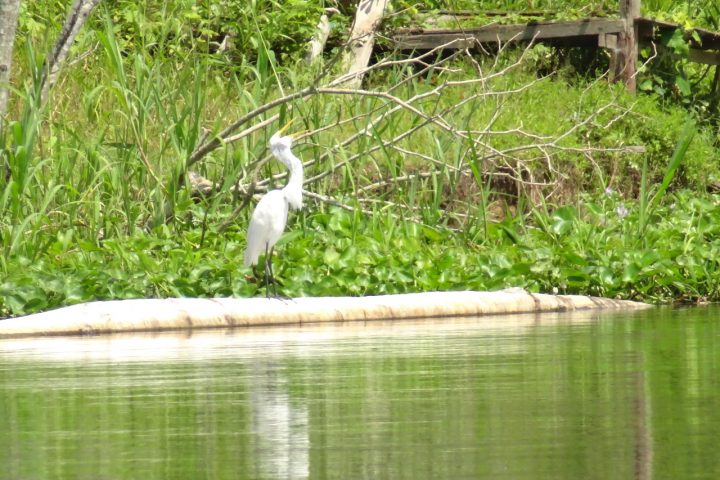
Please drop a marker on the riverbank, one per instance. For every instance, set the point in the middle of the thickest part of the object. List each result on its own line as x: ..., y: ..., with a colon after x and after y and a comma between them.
x: 470, y: 172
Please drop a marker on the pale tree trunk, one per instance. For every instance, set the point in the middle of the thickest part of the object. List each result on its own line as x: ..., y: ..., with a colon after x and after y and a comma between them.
x: 9, y: 10
x: 362, y: 38
x: 317, y: 44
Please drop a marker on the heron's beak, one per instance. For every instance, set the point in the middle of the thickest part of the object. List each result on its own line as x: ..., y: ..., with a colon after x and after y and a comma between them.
x: 295, y: 135
x: 287, y: 125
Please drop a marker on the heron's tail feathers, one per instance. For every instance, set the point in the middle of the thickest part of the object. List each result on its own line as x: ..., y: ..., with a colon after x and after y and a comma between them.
x: 251, y: 256
x: 253, y: 250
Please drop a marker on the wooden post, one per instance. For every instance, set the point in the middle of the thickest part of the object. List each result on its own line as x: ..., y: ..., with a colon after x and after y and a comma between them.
x: 715, y: 91
x: 625, y: 63
x: 610, y: 41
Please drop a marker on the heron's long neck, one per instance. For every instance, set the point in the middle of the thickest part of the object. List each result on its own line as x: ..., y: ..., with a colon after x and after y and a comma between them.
x: 293, y: 189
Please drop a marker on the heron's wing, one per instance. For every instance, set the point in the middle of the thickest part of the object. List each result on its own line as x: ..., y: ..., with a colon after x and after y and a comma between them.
x: 266, y: 225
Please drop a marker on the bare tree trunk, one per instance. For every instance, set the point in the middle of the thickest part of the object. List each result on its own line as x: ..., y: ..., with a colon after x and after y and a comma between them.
x: 362, y: 38
x: 76, y: 18
x: 317, y: 44
x: 9, y: 10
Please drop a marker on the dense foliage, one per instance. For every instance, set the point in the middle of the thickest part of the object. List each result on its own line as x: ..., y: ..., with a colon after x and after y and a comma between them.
x: 169, y: 28
x: 90, y: 206
x: 704, y: 13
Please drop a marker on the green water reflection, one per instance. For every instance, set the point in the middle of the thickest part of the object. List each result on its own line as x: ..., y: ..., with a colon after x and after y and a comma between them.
x: 612, y: 396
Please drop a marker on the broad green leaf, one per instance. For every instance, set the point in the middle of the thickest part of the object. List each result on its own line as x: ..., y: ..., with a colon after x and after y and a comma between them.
x: 683, y: 85
x: 331, y: 256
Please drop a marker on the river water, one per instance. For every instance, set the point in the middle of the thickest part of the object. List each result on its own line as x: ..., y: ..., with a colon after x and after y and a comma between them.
x: 591, y: 396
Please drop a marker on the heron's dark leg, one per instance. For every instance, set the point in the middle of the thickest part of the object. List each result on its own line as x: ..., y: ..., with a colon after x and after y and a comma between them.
x: 272, y: 274
x: 267, y: 272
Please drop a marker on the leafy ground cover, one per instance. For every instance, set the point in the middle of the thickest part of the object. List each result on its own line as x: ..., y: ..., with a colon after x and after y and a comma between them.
x: 597, y: 246
x: 91, y: 208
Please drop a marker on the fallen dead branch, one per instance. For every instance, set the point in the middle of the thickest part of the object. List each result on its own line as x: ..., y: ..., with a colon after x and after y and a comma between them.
x: 391, y: 121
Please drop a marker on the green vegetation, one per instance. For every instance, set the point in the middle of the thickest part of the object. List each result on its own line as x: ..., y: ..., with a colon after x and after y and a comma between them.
x: 91, y: 206
x: 697, y: 13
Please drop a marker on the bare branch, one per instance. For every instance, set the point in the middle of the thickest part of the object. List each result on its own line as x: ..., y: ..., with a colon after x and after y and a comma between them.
x: 76, y: 18
x: 221, y: 137
x: 399, y: 119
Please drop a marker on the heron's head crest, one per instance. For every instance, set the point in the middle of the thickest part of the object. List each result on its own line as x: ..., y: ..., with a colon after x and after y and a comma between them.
x: 279, y: 142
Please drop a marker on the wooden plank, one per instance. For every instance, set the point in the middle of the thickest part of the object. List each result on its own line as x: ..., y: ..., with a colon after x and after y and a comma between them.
x: 567, y: 28
x: 408, y: 38
x: 493, y: 13
x: 702, y: 56
x: 362, y: 38
x: 709, y: 40
x: 609, y: 40
x: 505, y: 33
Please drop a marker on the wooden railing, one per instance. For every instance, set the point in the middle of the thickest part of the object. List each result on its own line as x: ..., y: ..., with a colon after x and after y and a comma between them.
x: 621, y: 36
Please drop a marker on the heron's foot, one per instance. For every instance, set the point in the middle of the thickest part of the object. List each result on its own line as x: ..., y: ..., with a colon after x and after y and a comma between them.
x: 282, y: 298
x: 260, y: 279
x: 271, y: 292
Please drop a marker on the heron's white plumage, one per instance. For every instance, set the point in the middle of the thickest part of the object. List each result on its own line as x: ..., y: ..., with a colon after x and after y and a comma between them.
x: 270, y: 216
x: 266, y: 225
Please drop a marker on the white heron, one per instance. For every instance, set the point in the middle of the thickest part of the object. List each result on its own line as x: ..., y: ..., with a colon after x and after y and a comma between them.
x: 270, y: 216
